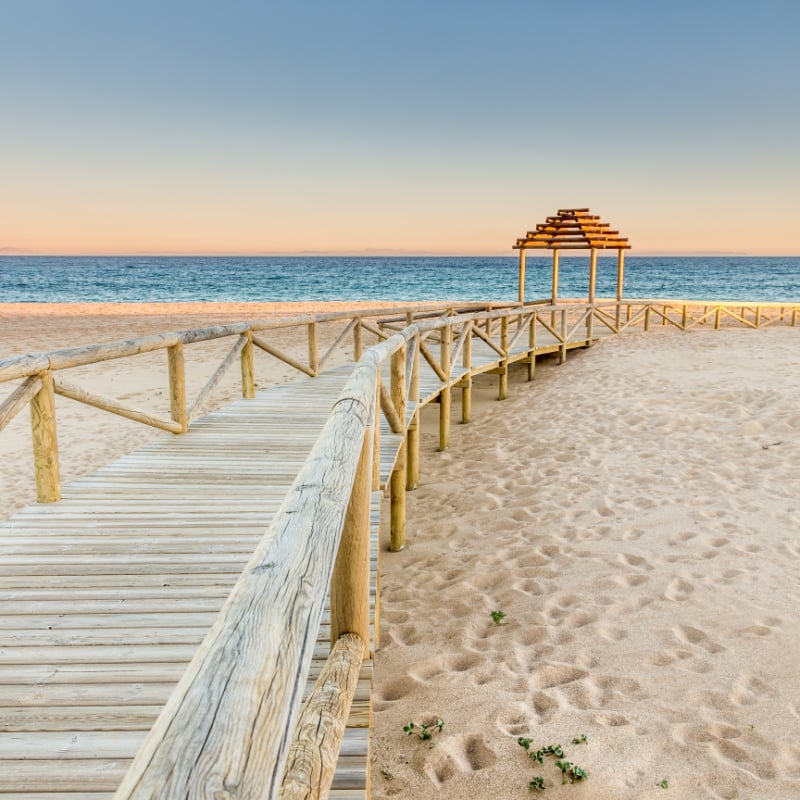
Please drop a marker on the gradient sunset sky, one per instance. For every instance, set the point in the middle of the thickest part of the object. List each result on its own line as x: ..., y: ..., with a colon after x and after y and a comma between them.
x: 364, y: 126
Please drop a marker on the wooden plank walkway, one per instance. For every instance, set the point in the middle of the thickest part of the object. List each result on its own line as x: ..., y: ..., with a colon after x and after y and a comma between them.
x: 105, y: 596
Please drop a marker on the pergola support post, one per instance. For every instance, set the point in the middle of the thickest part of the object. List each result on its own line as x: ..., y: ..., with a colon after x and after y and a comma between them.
x: 554, y: 293
x: 592, y: 284
x: 620, y: 281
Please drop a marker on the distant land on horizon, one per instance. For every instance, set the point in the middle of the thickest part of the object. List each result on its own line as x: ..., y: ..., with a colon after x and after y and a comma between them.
x: 388, y: 253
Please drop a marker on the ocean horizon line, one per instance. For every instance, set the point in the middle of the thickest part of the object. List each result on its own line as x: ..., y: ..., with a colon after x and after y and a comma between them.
x: 582, y: 253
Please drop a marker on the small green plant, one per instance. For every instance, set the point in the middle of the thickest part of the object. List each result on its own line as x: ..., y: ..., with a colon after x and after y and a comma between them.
x: 664, y: 784
x: 424, y: 731
x: 498, y: 617
x: 578, y: 773
x: 565, y: 766
x: 569, y: 772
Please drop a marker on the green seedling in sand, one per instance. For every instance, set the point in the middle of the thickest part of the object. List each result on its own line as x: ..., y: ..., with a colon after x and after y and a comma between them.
x: 424, y: 731
x: 578, y: 773
x: 498, y: 617
x: 664, y: 784
x: 573, y: 771
x: 568, y: 770
x: 565, y: 766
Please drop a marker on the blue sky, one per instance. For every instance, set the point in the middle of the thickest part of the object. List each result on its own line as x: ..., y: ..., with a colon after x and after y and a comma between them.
x: 416, y: 127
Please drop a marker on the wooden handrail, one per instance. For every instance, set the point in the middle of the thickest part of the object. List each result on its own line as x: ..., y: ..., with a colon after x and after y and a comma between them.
x: 227, y: 727
x: 312, y: 757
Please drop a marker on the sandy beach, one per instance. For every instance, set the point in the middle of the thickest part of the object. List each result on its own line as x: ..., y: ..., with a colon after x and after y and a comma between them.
x: 633, y: 513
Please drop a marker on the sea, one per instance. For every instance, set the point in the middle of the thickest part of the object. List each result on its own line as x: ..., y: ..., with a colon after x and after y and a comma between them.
x: 148, y: 279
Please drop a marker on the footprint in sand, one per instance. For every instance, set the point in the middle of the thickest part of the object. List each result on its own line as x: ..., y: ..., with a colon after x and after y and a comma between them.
x: 694, y: 636
x: 514, y: 720
x: 678, y: 590
x: 747, y: 689
x: 397, y: 688
x: 631, y: 560
x: 550, y: 675
x: 456, y: 754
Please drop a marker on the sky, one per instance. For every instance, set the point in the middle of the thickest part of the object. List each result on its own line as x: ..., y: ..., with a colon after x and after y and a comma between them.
x: 364, y: 126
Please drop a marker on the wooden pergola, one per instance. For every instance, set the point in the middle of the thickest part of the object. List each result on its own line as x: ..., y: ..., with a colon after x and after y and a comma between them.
x: 573, y: 229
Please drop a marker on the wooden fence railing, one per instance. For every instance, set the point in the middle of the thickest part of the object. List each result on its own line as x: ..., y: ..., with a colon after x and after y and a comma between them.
x: 38, y: 379
x: 233, y: 726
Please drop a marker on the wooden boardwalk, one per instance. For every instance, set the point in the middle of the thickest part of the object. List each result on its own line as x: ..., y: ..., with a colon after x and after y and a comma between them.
x: 105, y: 596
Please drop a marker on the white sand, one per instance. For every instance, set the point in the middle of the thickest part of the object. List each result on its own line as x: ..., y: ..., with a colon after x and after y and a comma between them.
x: 621, y: 510
x: 636, y: 514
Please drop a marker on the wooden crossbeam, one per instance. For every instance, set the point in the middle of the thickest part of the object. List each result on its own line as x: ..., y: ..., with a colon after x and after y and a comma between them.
x: 488, y: 339
x: 339, y: 339
x: 434, y: 364
x: 113, y: 406
x: 205, y: 393
x: 18, y: 399
x: 264, y: 345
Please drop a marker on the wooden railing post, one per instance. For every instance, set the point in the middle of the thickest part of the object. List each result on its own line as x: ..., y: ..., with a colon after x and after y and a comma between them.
x: 398, y: 477
x: 412, y: 437
x: 376, y: 445
x: 684, y: 316
x: 446, y: 334
x: 350, y: 578
x: 466, y: 386
x: 313, y: 347
x: 45, y: 441
x: 647, y: 319
x: 628, y: 313
x: 502, y: 391
x: 358, y: 346
x: 717, y: 318
x: 248, y: 368
x: 563, y: 351
x: 532, y: 347
x: 758, y: 316
x: 177, y: 386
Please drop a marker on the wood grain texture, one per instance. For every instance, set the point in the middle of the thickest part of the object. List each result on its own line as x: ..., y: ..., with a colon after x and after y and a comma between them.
x: 311, y: 762
x: 45, y: 441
